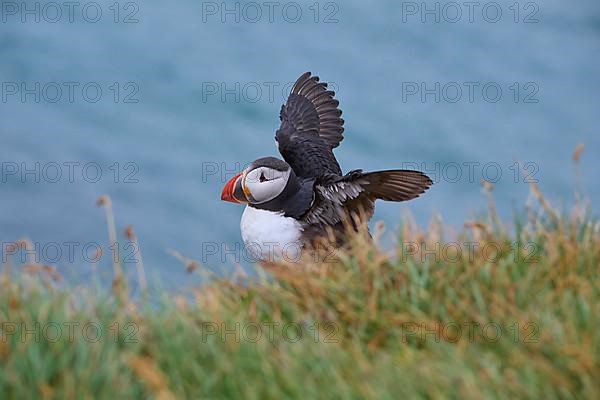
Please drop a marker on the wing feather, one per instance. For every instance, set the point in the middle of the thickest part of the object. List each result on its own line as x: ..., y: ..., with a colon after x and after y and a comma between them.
x: 338, y: 196
x: 310, y: 128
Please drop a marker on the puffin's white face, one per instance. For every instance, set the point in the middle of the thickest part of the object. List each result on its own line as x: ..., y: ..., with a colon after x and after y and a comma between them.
x: 263, y: 184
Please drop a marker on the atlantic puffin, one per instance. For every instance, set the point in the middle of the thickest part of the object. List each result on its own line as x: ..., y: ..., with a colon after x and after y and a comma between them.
x: 291, y: 202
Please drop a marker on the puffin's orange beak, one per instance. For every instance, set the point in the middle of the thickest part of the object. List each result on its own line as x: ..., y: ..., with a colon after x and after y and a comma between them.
x: 233, y: 187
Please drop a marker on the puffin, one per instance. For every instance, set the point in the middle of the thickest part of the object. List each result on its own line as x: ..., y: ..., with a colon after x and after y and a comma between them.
x: 290, y: 203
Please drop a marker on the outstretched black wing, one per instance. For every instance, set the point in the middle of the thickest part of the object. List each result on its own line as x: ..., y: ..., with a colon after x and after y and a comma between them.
x: 310, y: 128
x: 339, y: 196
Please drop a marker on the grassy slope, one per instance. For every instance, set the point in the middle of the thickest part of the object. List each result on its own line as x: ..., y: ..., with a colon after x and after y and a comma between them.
x: 387, y: 329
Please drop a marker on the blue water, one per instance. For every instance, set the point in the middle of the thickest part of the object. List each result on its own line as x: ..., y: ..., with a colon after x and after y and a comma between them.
x: 178, y: 115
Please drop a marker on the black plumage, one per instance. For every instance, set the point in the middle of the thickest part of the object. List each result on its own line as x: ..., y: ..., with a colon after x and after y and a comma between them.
x: 317, y: 194
x: 310, y: 129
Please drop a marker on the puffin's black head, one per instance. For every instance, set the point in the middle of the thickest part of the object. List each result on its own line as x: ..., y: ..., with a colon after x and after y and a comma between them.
x: 263, y: 184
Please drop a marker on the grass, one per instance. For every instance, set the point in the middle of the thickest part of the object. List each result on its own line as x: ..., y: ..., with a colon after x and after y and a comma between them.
x: 517, y: 316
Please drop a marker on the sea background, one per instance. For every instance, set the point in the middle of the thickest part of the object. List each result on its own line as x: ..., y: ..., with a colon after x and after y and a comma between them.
x: 199, y: 92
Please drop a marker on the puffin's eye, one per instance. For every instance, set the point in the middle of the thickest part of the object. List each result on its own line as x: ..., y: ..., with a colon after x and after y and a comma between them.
x: 262, y: 177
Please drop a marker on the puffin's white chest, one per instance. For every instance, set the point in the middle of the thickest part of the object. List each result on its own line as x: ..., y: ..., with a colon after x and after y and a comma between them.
x: 269, y: 235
